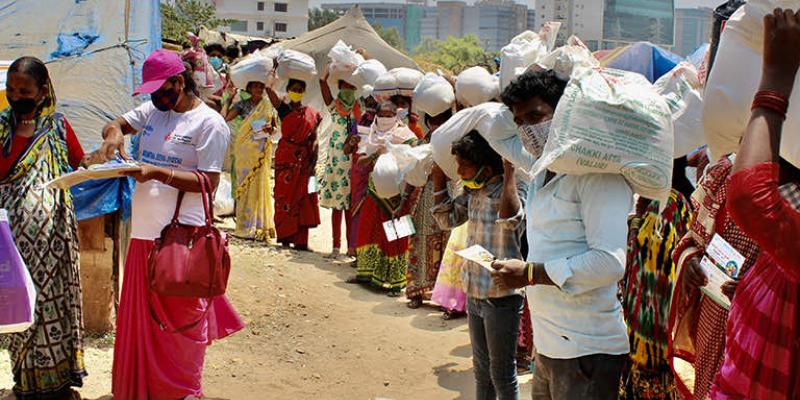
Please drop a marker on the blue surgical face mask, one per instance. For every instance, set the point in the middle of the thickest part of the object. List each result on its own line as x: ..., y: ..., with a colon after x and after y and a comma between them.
x: 215, y: 62
x: 402, y: 114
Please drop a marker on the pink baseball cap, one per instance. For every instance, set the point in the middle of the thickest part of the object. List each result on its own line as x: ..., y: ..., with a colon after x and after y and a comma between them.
x: 159, y: 66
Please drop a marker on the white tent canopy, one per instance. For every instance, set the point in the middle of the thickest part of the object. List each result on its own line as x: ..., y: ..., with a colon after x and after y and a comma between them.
x: 354, y: 30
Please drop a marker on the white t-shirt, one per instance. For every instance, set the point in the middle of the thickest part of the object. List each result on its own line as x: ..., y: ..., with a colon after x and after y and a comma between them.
x: 194, y: 140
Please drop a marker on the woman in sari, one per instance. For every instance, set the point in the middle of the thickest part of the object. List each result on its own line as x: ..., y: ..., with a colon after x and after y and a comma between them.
x: 359, y: 174
x: 253, y: 149
x: 647, y: 289
x: 39, y: 145
x: 448, y: 290
x: 428, y: 244
x: 296, y: 209
x: 161, y: 341
x: 379, y: 261
x: 335, y: 184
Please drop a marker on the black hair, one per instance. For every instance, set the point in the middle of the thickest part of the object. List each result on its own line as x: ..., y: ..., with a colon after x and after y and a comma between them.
x: 247, y: 87
x: 542, y: 83
x: 36, y: 69
x: 721, y: 16
x: 232, y: 52
x: 214, y: 47
x: 397, y: 97
x: 189, y: 85
x: 680, y: 181
x: 444, y: 115
x: 294, y: 82
x: 386, y: 104
x: 475, y: 149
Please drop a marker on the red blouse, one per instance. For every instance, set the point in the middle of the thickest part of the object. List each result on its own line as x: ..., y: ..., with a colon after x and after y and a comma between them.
x: 20, y: 143
x: 763, y: 214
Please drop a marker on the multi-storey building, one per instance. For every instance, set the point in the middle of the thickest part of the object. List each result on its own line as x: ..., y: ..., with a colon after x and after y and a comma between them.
x: 692, y: 28
x: 281, y: 18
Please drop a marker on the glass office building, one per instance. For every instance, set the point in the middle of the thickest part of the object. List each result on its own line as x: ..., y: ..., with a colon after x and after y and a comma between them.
x: 626, y: 21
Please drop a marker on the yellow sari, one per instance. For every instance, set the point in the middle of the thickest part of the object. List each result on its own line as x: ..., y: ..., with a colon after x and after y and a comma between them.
x: 254, y: 212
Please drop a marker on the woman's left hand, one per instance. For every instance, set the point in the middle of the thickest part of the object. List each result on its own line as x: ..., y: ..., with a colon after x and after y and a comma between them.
x: 147, y: 173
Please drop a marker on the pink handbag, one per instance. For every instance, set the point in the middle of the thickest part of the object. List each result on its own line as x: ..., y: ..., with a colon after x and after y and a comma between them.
x: 190, y: 261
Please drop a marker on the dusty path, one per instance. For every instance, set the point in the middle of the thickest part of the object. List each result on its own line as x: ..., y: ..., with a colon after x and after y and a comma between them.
x: 309, y: 335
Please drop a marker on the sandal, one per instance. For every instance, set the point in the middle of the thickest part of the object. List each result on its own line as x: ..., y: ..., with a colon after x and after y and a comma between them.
x: 415, y: 302
x: 334, y: 254
x: 393, y: 293
x: 451, y: 315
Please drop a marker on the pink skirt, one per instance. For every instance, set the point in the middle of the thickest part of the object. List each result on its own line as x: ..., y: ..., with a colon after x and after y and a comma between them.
x: 150, y: 363
x: 448, y: 291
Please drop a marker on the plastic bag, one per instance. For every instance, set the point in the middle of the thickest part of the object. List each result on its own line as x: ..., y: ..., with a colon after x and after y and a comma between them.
x: 344, y: 61
x: 523, y: 51
x: 734, y: 80
x: 17, y: 293
x: 386, y: 176
x: 434, y: 95
x: 611, y: 121
x: 367, y: 73
x: 415, y: 163
x: 476, y: 86
x: 296, y: 65
x: 223, y: 200
x: 492, y: 120
x: 343, y: 54
x: 385, y: 87
x: 407, y: 80
x: 565, y: 59
x: 255, y: 68
x: 681, y: 89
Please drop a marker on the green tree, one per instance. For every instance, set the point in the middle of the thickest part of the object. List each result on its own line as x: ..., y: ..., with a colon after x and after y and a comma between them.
x: 455, y: 54
x: 317, y: 18
x: 391, y: 36
x: 187, y: 16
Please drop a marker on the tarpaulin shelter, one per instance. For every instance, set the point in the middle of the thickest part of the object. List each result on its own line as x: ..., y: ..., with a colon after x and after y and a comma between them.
x: 642, y: 57
x: 354, y: 30
x: 94, y: 50
x: 227, y: 38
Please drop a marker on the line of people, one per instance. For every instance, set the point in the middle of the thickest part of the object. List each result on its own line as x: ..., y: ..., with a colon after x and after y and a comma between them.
x: 613, y: 285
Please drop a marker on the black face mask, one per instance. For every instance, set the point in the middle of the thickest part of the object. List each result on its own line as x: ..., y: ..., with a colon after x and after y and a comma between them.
x: 23, y: 106
x: 168, y: 99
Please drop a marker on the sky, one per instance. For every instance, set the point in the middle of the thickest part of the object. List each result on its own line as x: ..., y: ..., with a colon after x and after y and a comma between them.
x: 531, y: 3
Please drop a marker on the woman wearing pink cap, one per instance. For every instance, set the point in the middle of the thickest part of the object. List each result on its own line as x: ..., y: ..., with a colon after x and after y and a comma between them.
x: 180, y: 134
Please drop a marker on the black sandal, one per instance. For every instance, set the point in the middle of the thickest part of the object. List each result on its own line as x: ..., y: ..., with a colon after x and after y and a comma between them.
x: 451, y: 315
x: 415, y: 302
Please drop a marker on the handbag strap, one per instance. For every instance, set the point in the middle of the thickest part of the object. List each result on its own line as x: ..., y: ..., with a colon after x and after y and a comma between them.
x: 206, y: 195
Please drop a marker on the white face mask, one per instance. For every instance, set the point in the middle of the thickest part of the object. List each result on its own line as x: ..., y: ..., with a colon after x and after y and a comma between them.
x: 534, y: 137
x: 385, y: 123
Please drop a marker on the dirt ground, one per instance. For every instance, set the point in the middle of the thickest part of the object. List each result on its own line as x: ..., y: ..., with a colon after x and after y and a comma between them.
x: 309, y: 335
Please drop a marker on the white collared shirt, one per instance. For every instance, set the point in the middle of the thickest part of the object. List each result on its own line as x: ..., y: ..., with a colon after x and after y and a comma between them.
x: 577, y: 227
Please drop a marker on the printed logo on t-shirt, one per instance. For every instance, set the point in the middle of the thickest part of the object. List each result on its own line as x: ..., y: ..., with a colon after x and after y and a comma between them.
x: 148, y: 130
x: 161, y: 159
x: 178, y: 139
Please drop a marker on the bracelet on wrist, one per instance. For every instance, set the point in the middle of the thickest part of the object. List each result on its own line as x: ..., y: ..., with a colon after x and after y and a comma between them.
x: 529, y: 272
x: 772, y: 101
x: 171, y: 177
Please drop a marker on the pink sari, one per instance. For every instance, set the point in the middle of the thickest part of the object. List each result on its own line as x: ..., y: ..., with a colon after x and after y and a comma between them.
x: 149, y: 362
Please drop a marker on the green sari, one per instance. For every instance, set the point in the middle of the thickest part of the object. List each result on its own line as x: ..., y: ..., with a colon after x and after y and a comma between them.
x: 47, y: 358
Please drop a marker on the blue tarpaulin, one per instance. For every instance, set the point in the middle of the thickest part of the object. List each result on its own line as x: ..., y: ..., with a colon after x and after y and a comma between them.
x: 99, y: 197
x: 646, y: 59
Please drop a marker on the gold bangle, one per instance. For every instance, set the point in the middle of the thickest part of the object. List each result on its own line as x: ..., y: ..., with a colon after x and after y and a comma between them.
x: 171, y: 176
x: 529, y: 266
